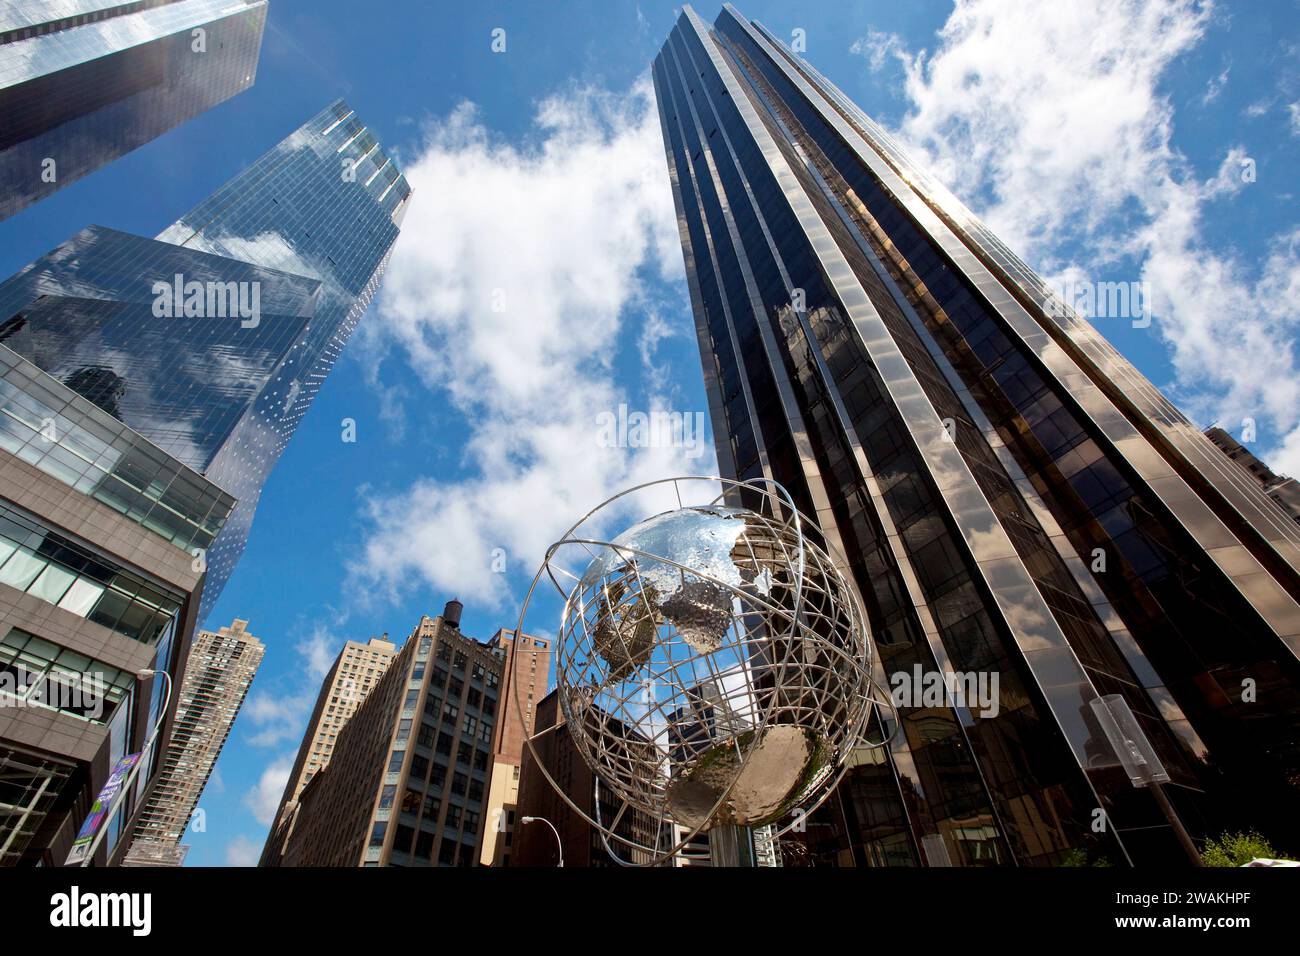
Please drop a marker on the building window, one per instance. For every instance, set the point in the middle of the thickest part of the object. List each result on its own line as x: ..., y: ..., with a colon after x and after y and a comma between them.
x: 447, y: 853
x: 53, y: 569
x: 377, y: 834
x: 402, y: 838
x: 411, y: 801
x: 419, y: 766
x: 29, y: 788
x: 35, y: 672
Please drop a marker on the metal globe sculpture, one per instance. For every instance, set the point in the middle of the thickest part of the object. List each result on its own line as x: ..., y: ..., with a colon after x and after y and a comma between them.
x: 713, y: 666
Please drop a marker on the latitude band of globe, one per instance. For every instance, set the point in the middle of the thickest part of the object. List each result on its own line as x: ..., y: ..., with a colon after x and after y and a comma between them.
x: 835, y: 672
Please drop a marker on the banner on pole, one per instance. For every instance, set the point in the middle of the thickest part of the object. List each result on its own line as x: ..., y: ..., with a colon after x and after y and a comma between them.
x: 99, y: 809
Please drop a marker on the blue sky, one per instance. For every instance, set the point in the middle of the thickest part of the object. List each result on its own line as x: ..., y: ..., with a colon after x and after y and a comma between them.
x: 538, y: 281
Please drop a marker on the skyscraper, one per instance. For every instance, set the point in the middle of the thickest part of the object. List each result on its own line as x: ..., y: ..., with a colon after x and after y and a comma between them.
x: 407, y: 782
x: 213, y: 339
x: 83, y: 82
x: 218, y: 674
x: 97, y: 584
x: 1284, y: 490
x: 522, y: 684
x: 1013, y: 499
x: 355, y: 672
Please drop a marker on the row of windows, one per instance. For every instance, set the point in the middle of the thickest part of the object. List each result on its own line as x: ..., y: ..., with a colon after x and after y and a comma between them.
x: 36, y: 672
x: 49, y: 567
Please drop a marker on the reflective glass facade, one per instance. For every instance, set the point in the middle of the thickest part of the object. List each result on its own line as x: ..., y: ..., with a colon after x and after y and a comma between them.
x: 52, y: 427
x: 1012, y: 497
x: 83, y: 82
x: 308, y: 227
x: 38, y: 561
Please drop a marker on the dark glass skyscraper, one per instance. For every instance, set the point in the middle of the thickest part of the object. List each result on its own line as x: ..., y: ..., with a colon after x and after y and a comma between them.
x: 83, y: 82
x: 213, y: 339
x: 1013, y: 498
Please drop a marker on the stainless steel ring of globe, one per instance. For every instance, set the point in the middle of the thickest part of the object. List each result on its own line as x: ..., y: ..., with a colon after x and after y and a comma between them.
x: 713, y: 665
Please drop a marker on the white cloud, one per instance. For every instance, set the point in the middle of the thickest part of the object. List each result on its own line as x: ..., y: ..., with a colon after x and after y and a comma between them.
x: 1051, y: 120
x: 216, y: 784
x: 1230, y: 178
x: 278, y: 713
x: 318, y: 650
x: 518, y: 269
x: 1215, y: 87
x: 241, y: 851
x: 277, y: 717
x: 264, y: 797
x: 878, y: 47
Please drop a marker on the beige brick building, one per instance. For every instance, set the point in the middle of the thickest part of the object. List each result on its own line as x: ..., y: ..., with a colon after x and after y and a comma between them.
x: 356, y: 671
x: 407, y: 782
x: 217, y: 677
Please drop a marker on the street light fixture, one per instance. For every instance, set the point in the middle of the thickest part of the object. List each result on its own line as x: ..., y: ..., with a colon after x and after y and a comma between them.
x: 559, y: 845
x: 1139, y: 759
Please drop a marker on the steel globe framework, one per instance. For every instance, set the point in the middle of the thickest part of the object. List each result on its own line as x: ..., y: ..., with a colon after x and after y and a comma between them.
x: 713, y: 666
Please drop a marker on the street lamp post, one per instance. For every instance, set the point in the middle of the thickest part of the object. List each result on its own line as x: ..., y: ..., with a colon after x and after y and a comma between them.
x: 130, y: 777
x: 1139, y: 759
x: 559, y: 845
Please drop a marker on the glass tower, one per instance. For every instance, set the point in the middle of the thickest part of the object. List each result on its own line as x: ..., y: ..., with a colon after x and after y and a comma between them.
x: 213, y: 339
x: 83, y: 82
x: 1014, y: 500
